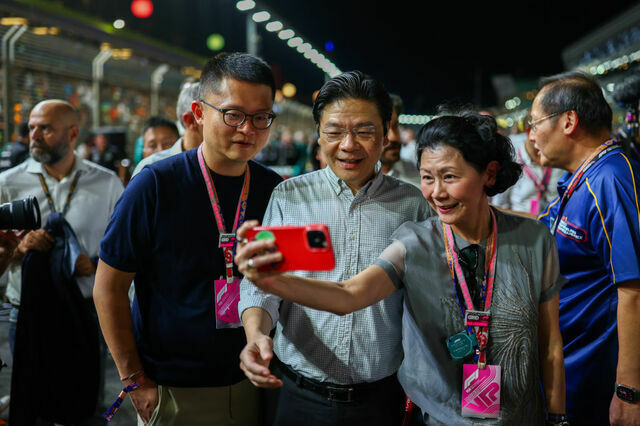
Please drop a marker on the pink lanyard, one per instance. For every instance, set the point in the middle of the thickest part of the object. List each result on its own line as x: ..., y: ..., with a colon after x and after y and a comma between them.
x: 600, y: 152
x: 227, y: 239
x: 482, y: 333
x: 540, y: 184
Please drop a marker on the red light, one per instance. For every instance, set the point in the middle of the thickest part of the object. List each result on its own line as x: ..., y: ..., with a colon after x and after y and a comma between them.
x: 141, y: 8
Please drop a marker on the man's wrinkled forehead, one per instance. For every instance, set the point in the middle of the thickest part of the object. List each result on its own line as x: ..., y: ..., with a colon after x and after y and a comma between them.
x: 53, y: 112
x: 362, y: 111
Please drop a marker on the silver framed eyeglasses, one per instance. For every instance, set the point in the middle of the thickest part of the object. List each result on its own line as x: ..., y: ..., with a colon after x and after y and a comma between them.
x: 534, y: 124
x: 360, y: 134
x: 235, y: 117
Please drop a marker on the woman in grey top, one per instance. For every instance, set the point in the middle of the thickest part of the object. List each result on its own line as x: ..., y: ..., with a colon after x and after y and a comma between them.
x: 500, y: 270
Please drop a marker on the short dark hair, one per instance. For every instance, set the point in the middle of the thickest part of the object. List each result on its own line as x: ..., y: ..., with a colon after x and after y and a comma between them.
x: 159, y: 121
x: 397, y: 104
x: 354, y: 85
x: 576, y: 91
x: 476, y: 137
x: 23, y: 129
x: 238, y: 66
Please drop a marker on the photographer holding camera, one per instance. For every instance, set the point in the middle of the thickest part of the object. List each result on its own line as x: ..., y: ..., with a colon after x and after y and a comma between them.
x: 76, y: 198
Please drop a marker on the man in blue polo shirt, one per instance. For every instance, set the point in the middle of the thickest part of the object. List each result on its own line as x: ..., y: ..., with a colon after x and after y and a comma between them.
x: 596, y: 223
x: 173, y: 230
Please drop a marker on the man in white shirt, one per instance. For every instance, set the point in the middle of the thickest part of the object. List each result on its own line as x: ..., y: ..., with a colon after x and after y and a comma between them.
x: 83, y: 192
x: 192, y: 137
x: 537, y: 186
x: 408, y: 150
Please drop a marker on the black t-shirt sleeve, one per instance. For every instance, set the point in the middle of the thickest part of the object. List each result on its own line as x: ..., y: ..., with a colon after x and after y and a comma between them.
x: 129, y: 233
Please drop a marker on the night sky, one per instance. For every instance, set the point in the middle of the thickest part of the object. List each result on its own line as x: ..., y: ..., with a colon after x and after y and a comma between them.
x: 428, y: 54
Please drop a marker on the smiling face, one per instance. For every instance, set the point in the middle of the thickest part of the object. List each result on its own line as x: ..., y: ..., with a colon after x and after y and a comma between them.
x: 227, y: 148
x: 352, y: 161
x: 453, y: 187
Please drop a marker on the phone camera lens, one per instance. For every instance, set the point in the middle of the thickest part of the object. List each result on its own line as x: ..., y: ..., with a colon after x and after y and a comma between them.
x: 316, y: 239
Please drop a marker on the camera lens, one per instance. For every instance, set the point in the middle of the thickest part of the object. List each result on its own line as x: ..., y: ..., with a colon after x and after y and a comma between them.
x: 316, y: 239
x: 20, y: 214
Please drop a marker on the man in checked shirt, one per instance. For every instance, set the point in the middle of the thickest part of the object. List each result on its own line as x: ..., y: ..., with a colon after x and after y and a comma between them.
x: 337, y: 370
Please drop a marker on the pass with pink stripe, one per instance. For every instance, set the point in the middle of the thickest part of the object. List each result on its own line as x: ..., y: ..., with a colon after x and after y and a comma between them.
x: 481, y: 391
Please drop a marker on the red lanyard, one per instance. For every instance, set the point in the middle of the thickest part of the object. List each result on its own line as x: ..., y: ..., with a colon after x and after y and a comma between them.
x: 600, y: 152
x: 540, y: 184
x: 227, y: 239
x: 482, y: 333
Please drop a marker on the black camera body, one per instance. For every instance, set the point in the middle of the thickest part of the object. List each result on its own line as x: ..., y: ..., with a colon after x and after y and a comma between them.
x: 20, y: 214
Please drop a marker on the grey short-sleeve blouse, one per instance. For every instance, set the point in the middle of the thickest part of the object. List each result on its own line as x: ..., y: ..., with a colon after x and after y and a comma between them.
x: 527, y: 274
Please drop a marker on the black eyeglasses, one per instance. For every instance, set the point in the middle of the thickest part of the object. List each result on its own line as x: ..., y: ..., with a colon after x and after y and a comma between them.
x: 360, y: 134
x: 235, y: 117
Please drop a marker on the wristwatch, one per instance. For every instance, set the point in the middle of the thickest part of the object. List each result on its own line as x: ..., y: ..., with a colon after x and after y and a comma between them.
x: 553, y: 419
x: 627, y: 393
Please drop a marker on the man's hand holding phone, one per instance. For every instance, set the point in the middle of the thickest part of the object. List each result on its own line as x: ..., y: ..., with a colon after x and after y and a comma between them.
x: 251, y: 255
x: 283, y: 248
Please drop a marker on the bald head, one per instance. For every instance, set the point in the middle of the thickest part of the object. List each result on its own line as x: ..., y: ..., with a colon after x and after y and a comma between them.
x: 62, y: 111
x: 53, y: 130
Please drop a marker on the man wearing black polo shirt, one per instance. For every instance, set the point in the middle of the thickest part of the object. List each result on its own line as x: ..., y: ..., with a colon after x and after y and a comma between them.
x: 173, y: 230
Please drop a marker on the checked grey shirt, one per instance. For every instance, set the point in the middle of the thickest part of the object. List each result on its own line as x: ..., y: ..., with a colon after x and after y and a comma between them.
x: 364, y: 346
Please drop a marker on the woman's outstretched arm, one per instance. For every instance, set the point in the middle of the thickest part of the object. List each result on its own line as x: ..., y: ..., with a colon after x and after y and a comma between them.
x: 365, y: 289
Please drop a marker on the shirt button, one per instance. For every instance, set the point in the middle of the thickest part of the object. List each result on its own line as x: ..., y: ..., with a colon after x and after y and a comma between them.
x: 352, y: 237
x: 349, y: 271
x: 345, y: 341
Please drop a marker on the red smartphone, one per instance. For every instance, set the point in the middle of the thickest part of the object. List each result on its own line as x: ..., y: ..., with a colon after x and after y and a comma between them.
x: 303, y: 248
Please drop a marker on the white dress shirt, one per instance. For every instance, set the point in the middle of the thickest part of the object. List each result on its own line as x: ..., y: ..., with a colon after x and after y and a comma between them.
x: 90, y: 208
x: 522, y: 197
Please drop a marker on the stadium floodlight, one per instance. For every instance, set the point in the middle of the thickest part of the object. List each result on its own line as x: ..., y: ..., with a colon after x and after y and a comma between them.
x: 261, y: 16
x: 295, y: 42
x: 286, y: 34
x: 245, y: 5
x: 274, y: 26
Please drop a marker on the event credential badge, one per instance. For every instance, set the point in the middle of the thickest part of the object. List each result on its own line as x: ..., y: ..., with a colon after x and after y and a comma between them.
x: 481, y: 391
x: 227, y: 293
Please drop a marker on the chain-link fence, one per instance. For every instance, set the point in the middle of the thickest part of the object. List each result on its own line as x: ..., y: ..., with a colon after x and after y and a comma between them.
x: 44, y: 63
x: 46, y: 66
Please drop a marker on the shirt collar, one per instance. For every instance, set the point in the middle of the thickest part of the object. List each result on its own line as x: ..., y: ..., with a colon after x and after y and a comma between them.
x: 35, y: 167
x: 338, y: 185
x: 177, y: 147
x: 564, y: 180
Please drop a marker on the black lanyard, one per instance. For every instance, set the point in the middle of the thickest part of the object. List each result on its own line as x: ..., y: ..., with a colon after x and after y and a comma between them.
x: 52, y: 206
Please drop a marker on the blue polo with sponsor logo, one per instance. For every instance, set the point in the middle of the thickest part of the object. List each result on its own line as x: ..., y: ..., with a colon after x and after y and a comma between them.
x: 598, y: 240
